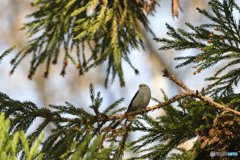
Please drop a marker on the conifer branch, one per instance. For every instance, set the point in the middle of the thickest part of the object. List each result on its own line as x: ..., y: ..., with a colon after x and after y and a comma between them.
x: 26, y: 112
x: 216, y: 41
x: 198, y: 95
x: 103, y: 117
x: 70, y: 26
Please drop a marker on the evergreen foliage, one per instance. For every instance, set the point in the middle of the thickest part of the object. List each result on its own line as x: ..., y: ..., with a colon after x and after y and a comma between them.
x: 176, y: 127
x: 6, y: 53
x: 189, y: 119
x: 10, y: 144
x: 89, y: 135
x: 109, y: 28
x: 69, y: 136
x: 220, y: 42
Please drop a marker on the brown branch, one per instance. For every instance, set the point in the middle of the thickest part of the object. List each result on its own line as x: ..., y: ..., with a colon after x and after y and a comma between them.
x: 189, y: 92
x: 198, y: 95
x: 102, y: 117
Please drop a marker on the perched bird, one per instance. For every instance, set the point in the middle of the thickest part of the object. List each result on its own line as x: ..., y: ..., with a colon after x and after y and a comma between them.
x: 139, y: 101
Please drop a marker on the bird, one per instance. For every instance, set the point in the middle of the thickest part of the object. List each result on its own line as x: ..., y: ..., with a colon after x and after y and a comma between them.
x: 139, y: 101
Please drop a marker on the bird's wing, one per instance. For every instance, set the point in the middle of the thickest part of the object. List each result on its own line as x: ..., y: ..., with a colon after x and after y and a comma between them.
x: 132, y: 101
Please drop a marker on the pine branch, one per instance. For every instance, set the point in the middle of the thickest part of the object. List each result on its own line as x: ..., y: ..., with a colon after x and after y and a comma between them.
x: 63, y: 140
x: 12, y: 144
x: 192, y: 118
x: 105, y: 26
x: 67, y: 135
x: 220, y: 42
x: 6, y: 53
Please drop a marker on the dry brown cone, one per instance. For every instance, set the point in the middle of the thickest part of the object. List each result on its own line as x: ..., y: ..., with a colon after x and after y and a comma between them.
x: 223, y: 137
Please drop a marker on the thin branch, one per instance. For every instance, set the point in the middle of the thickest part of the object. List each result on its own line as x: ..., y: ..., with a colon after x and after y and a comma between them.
x: 189, y: 92
x: 198, y: 95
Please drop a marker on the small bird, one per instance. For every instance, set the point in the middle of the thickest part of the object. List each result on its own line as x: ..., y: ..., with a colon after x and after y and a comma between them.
x: 139, y: 101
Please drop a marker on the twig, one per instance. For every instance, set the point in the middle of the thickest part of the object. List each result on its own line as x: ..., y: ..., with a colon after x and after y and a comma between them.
x: 198, y: 95
x: 189, y: 92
